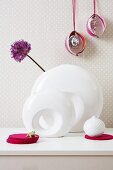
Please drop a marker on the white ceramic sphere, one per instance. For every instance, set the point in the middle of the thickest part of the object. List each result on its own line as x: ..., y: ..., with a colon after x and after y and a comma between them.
x: 94, y: 127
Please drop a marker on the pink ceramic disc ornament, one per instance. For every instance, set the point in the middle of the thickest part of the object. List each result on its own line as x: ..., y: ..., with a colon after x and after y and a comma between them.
x: 75, y: 42
x: 95, y: 24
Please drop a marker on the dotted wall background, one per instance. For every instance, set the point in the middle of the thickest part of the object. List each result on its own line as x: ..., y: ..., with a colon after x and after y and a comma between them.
x: 45, y: 24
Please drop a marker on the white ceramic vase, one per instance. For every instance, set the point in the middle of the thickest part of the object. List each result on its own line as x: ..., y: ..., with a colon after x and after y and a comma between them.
x: 62, y: 99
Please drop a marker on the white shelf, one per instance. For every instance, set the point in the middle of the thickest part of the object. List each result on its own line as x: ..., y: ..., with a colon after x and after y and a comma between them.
x: 72, y: 144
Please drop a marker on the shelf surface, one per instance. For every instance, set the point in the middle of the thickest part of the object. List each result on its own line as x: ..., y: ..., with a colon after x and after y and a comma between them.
x: 71, y: 144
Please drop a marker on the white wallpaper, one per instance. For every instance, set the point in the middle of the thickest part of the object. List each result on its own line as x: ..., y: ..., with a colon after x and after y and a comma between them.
x: 45, y: 24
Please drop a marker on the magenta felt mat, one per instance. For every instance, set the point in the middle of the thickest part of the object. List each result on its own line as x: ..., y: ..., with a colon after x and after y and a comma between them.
x: 22, y: 139
x: 102, y: 137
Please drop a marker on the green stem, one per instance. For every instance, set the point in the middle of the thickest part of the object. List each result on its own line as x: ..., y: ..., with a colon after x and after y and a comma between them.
x: 36, y: 63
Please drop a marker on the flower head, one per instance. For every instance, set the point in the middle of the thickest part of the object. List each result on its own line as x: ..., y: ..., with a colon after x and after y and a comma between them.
x: 20, y: 49
x: 31, y: 134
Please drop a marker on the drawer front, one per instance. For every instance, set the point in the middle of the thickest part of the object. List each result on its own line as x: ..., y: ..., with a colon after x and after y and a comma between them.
x: 56, y: 162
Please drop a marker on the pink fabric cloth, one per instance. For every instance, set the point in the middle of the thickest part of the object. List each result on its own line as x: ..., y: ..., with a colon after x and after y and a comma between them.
x: 102, y: 137
x: 22, y: 139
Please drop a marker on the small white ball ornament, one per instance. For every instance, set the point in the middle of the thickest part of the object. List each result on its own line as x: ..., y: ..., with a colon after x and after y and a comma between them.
x: 94, y: 127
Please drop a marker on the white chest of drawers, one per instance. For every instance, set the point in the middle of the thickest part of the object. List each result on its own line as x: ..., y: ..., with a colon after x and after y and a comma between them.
x: 72, y: 152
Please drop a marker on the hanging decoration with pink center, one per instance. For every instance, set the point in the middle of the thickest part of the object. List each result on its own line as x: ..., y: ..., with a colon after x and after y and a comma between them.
x: 95, y: 24
x: 75, y: 42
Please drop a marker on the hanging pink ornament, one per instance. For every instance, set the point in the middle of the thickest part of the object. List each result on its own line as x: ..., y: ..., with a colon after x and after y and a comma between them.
x: 95, y: 24
x: 75, y: 42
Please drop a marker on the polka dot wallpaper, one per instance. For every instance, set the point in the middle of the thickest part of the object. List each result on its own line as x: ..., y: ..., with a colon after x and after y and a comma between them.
x: 45, y: 24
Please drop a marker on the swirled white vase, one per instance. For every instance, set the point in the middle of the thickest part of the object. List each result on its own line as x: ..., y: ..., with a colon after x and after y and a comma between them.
x: 62, y: 99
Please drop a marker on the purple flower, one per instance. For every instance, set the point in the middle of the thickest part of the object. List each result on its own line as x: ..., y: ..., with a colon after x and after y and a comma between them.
x: 20, y: 49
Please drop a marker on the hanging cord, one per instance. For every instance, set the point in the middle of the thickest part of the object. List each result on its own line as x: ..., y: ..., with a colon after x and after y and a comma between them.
x: 74, y: 12
x: 94, y: 6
